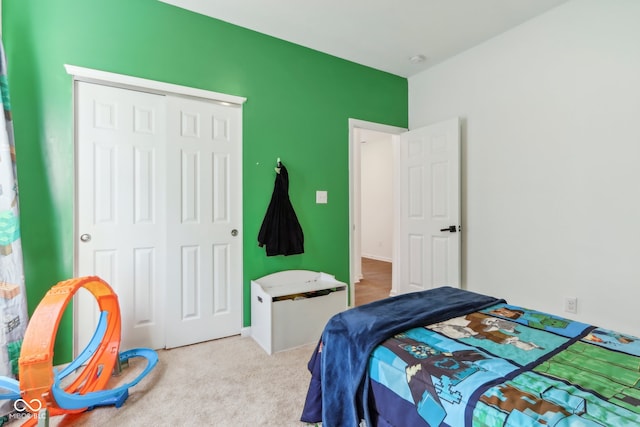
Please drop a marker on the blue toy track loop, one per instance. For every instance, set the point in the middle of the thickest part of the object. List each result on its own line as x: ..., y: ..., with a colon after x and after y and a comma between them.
x: 115, y: 396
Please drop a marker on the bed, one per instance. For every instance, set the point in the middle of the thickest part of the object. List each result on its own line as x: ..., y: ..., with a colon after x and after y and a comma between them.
x: 450, y: 357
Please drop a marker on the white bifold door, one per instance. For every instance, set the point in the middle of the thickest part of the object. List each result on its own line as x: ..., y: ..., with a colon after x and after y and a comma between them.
x: 158, y: 214
x: 429, y: 241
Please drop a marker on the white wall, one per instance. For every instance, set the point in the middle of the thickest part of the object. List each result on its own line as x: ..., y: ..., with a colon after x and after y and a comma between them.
x: 551, y: 159
x: 377, y: 195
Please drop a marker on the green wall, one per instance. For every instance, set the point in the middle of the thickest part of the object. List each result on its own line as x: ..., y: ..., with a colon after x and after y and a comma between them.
x: 299, y: 103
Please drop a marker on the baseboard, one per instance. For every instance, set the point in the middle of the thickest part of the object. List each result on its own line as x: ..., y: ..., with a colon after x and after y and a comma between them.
x: 246, y: 331
x: 377, y: 257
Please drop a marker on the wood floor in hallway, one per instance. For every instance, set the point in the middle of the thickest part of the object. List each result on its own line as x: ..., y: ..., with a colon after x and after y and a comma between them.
x: 376, y: 281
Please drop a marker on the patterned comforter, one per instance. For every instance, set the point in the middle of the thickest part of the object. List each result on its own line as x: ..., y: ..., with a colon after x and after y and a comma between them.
x: 506, y: 366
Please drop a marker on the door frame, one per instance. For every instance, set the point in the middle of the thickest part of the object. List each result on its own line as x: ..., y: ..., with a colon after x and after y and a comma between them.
x: 355, y: 159
x: 144, y: 85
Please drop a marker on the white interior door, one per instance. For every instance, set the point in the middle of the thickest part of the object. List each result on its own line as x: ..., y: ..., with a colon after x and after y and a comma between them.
x: 158, y: 209
x: 429, y: 206
x: 204, y: 248
x: 121, y: 209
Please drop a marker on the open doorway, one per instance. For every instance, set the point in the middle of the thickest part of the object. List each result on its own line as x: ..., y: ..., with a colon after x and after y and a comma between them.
x: 373, y: 157
x: 376, y: 219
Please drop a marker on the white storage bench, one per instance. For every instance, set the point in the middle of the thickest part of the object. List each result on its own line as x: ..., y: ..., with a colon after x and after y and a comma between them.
x: 290, y: 308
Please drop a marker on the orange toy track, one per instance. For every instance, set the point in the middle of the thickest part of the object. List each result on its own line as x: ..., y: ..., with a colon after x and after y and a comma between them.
x: 36, y: 358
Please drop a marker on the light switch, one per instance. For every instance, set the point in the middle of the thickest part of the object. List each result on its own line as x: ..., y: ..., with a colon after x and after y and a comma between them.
x: 321, y: 196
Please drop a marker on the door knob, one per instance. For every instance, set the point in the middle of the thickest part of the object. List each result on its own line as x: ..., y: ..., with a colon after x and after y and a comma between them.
x: 85, y: 238
x: 234, y: 232
x: 451, y: 228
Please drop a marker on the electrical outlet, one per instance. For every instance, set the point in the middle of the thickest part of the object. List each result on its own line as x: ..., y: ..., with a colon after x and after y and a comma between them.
x: 571, y: 305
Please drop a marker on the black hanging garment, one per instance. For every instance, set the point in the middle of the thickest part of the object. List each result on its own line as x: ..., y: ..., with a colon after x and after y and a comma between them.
x: 280, y: 231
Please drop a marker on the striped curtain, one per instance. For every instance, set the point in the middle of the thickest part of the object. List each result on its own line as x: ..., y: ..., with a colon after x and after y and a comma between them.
x: 13, y: 300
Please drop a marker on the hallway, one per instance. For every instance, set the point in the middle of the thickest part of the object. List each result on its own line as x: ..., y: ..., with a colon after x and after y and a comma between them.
x: 376, y: 281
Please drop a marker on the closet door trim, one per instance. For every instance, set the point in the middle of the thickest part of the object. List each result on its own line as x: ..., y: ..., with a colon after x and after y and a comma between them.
x: 129, y: 82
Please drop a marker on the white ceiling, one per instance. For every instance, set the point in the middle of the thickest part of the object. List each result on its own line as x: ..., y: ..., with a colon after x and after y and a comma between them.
x: 383, y: 34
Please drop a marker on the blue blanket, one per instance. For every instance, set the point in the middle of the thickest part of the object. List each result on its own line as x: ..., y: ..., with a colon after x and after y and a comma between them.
x: 337, y: 394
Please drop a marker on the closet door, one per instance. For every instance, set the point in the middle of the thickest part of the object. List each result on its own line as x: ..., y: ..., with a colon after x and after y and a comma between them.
x: 159, y: 211
x: 121, y: 206
x: 204, y: 246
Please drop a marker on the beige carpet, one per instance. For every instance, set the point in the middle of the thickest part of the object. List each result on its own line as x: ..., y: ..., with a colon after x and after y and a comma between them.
x: 226, y: 382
